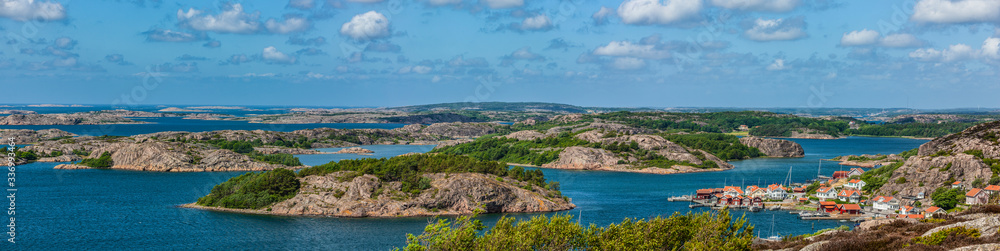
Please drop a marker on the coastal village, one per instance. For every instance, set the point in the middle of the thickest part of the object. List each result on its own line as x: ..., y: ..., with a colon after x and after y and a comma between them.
x: 836, y: 197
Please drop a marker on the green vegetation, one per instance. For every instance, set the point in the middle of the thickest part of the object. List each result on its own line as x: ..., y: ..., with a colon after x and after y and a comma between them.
x: 253, y: 190
x: 276, y: 158
x: 104, y: 161
x: 535, y: 152
x: 940, y: 236
x: 839, y: 228
x: 913, y: 129
x: 875, y: 178
x: 909, y: 153
x: 410, y: 169
x: 946, y: 197
x: 701, y: 231
x: 724, y: 146
x: 29, y: 156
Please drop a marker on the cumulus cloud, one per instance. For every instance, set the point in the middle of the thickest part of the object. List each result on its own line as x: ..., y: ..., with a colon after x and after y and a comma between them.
x: 653, y: 12
x: 25, y: 10
x: 418, y: 69
x: 779, y: 64
x: 236, y: 59
x: 301, y: 4
x: 535, y: 23
x: 989, y: 51
x: 291, y: 24
x: 316, y: 41
x: 64, y: 43
x: 776, y: 29
x: 560, y: 43
x: 503, y: 4
x: 524, y: 53
x: 601, y: 16
x: 873, y: 38
x: 862, y: 37
x: 271, y: 55
x: 960, y: 11
x: 231, y: 20
x: 116, y: 59
x: 758, y: 5
x: 628, y: 49
x: 628, y: 63
x: 162, y: 35
x: 367, y: 26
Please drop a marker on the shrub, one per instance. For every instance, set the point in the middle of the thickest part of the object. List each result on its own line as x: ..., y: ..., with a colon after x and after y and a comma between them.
x: 901, y: 180
x: 940, y: 236
x: 253, y: 190
x: 104, y: 161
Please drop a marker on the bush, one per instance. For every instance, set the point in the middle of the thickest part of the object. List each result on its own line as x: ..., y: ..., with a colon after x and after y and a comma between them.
x: 901, y: 180
x: 277, y: 158
x: 940, y: 236
x: 701, y: 231
x: 253, y: 190
x: 947, y: 198
x: 104, y: 161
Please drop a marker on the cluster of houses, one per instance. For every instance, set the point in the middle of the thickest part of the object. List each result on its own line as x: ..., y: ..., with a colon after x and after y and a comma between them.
x: 738, y: 197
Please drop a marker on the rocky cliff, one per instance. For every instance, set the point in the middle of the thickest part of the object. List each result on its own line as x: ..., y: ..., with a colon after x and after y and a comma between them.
x: 774, y: 147
x: 957, y: 157
x: 173, y: 157
x: 585, y: 158
x: 339, y: 195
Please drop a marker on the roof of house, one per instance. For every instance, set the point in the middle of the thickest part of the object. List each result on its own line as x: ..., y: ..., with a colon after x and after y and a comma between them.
x: 907, y: 208
x: 858, y: 169
x: 840, y: 172
x: 883, y: 198
x: 773, y: 187
x: 855, y: 181
x: 911, y: 216
x: 732, y: 188
x: 933, y: 209
x: 823, y: 189
x: 848, y: 193
x: 709, y: 190
x: 956, y: 183
x: 803, y: 199
x: 992, y: 188
x: 827, y: 203
x: 849, y: 206
x: 973, y: 192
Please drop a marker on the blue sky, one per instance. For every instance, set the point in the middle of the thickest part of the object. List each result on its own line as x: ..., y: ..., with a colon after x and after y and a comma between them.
x: 654, y: 53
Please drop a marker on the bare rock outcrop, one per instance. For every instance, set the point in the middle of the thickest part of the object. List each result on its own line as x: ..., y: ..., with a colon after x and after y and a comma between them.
x: 25, y: 136
x: 356, y: 150
x: 774, y: 147
x: 450, y: 194
x: 80, y: 118
x: 585, y: 158
x: 934, y: 172
x: 525, y: 135
x: 987, y: 226
x: 983, y: 137
x: 460, y: 130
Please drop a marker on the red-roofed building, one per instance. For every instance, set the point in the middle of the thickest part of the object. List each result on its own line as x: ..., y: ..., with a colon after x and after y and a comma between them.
x: 976, y: 196
x: 956, y: 184
x: 840, y: 175
x: 849, y: 209
x: 911, y: 216
x: 849, y: 195
x: 855, y: 172
x: 732, y: 191
x: 855, y: 184
x: 992, y: 189
x: 776, y: 192
x: 885, y: 203
x: 827, y: 206
x: 931, y: 212
x: 908, y: 210
x: 826, y: 193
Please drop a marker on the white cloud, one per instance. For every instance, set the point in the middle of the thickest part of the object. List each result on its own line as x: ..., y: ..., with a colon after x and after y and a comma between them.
x: 539, y: 22
x: 862, y: 37
x: 524, y: 53
x: 65, y: 43
x: 653, y: 12
x: 758, y: 5
x: 231, y: 20
x: 162, y: 35
x: 991, y: 48
x: 628, y: 63
x: 779, y: 64
x: 776, y: 29
x: 367, y: 26
x: 290, y: 25
x: 960, y: 11
x: 955, y: 52
x: 873, y: 38
x: 503, y: 4
x: 301, y: 4
x: 272, y: 55
x: 901, y: 41
x: 928, y: 54
x: 25, y: 10
x: 628, y: 49
x: 601, y: 15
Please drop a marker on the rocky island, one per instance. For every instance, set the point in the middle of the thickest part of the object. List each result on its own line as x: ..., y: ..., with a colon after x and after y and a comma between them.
x: 345, y: 189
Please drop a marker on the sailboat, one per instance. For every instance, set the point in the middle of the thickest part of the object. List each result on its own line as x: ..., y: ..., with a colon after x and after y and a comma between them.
x: 818, y: 171
x: 773, y: 237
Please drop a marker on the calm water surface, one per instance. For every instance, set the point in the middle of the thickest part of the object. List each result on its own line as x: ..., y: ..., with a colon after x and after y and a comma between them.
x: 74, y: 209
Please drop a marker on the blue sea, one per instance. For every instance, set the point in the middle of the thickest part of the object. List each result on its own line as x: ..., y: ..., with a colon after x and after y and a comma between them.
x: 112, y: 209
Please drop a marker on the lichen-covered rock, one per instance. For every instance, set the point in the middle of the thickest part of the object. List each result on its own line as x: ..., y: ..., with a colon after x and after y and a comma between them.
x: 525, y: 135
x: 987, y: 226
x: 774, y: 147
x: 450, y: 194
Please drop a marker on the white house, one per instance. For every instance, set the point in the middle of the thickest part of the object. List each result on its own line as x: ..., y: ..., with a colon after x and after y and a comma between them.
x: 885, y: 203
x: 776, y: 192
x: 976, y: 196
x: 855, y: 172
x: 826, y: 193
x: 855, y: 184
x: 908, y: 210
x: 849, y: 195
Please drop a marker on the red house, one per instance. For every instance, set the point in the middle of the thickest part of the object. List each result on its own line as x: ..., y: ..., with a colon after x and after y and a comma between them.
x: 827, y: 206
x: 840, y: 174
x: 849, y: 209
x: 703, y: 194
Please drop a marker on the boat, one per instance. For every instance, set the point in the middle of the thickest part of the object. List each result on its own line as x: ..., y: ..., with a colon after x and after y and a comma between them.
x: 679, y: 198
x: 774, y: 208
x: 755, y: 208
